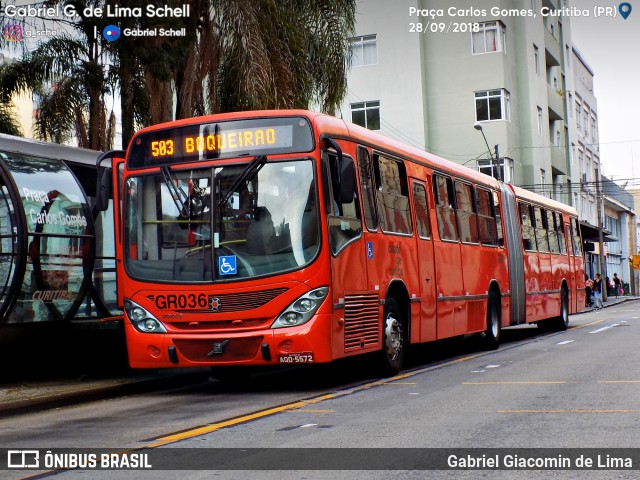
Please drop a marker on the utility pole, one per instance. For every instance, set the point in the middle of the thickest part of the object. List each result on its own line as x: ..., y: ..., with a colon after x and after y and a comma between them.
x: 603, y: 276
x: 498, y: 164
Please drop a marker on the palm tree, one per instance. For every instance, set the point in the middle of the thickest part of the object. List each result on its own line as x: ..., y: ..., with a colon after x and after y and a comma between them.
x: 240, y: 55
x: 69, y: 75
x: 8, y: 121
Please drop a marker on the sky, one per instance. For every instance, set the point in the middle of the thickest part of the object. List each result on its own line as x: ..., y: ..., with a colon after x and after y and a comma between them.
x: 611, y: 47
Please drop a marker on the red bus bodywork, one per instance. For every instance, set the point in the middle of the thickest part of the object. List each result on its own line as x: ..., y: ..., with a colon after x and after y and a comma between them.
x: 443, y: 257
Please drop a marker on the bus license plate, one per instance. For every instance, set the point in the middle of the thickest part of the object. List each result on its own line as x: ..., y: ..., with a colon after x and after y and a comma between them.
x: 303, y: 357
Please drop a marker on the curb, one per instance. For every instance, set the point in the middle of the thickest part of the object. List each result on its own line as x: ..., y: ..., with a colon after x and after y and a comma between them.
x: 85, y: 394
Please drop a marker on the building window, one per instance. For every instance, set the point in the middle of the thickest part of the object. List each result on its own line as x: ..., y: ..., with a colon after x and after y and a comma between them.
x: 539, y: 121
x: 364, y: 51
x: 505, y: 166
x: 569, y: 104
x: 543, y: 182
x: 536, y: 59
x: 578, y: 115
x: 558, y: 139
x: 586, y: 124
x: 492, y: 105
x: 366, y: 114
x: 491, y: 38
x: 594, y: 138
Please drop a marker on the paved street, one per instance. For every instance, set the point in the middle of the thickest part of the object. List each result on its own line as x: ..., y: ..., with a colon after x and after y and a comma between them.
x: 575, y: 389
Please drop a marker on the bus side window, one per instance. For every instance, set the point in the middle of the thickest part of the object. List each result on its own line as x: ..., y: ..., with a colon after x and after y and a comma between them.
x: 486, y: 220
x: 498, y: 217
x: 541, y: 230
x: 445, y: 212
x: 554, y: 247
x: 467, y: 219
x: 421, y: 208
x: 392, y: 195
x: 528, y: 233
x: 560, y: 230
x: 367, y: 189
x: 345, y: 223
x: 577, y: 241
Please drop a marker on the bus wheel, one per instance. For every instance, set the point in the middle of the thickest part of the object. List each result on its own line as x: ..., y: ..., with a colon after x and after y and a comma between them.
x: 561, y: 323
x: 491, y: 336
x: 394, y: 338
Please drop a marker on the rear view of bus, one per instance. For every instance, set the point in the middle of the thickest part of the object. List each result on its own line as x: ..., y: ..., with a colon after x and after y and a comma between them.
x: 221, y: 238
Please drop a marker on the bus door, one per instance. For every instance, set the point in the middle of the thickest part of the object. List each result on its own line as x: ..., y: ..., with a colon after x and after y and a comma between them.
x: 426, y: 274
x: 448, y: 262
x: 356, y: 312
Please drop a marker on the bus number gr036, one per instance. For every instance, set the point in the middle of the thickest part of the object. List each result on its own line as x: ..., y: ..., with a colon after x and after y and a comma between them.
x: 302, y: 357
x: 188, y: 301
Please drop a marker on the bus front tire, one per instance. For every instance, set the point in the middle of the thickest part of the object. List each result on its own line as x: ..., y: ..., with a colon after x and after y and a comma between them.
x: 394, y: 338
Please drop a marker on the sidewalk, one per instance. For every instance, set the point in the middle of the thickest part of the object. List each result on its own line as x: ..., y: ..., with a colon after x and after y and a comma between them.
x: 35, y: 394
x: 611, y: 301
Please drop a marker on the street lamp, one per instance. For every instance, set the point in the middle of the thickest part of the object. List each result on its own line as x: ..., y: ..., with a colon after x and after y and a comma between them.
x: 494, y: 161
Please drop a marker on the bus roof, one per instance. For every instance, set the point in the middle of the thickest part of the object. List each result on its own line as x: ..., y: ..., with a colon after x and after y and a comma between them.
x: 11, y: 144
x: 541, y: 200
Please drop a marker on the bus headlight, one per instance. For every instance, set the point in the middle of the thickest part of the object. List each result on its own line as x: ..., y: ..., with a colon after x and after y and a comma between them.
x: 302, y: 309
x: 141, y: 319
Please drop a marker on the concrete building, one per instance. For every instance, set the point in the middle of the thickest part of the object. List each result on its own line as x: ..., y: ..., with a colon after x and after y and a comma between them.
x: 508, y: 71
x: 426, y: 71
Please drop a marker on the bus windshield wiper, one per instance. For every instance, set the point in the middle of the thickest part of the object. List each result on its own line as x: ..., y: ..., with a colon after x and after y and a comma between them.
x: 178, y: 195
x: 247, y: 174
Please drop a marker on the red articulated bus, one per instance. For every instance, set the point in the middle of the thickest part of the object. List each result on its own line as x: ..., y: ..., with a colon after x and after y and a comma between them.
x: 292, y: 237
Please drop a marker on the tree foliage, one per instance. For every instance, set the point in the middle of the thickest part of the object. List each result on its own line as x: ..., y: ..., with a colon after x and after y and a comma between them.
x: 235, y: 55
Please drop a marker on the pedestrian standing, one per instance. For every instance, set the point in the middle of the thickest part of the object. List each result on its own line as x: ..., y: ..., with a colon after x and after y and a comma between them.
x: 588, y: 289
x: 597, y: 292
x: 617, y: 284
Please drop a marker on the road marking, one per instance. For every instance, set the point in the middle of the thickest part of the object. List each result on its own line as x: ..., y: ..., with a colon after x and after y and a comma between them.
x: 492, y: 366
x: 307, y: 425
x: 618, y: 381
x: 566, y: 342
x: 401, y: 383
x: 604, y: 328
x: 571, y: 411
x: 514, y: 383
x: 308, y: 410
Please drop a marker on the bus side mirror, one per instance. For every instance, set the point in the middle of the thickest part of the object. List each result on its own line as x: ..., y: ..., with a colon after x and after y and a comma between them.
x: 347, y: 185
x: 103, y: 189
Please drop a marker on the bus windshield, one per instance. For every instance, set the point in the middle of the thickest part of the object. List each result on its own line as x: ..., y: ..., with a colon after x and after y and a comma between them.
x: 179, y: 228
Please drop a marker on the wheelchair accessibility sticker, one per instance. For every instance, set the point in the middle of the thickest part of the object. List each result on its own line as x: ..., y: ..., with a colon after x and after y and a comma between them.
x: 227, y: 265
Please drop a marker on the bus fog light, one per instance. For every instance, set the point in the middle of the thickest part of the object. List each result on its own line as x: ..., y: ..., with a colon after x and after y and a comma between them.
x: 302, y: 309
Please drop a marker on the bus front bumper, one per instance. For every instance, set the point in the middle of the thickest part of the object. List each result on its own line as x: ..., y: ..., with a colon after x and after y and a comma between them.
x: 307, y: 343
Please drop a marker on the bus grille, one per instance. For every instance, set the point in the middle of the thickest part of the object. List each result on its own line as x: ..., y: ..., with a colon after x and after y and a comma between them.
x: 361, y: 322
x: 237, y: 302
x: 203, y: 350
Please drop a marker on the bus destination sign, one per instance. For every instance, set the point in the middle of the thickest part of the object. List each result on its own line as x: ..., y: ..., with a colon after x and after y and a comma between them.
x: 207, y: 141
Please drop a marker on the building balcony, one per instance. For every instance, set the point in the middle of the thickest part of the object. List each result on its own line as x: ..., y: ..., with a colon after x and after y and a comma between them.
x: 556, y: 104
x: 559, y: 159
x: 553, y: 49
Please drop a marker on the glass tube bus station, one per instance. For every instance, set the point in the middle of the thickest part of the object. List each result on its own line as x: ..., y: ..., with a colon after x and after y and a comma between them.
x: 57, y: 262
